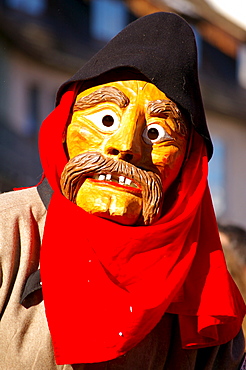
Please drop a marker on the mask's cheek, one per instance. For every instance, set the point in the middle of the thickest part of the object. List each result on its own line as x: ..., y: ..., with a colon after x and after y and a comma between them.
x: 168, y: 161
x: 81, y: 139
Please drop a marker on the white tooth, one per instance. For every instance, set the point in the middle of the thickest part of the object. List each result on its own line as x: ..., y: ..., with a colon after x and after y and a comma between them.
x: 121, y: 179
x: 101, y: 177
x: 128, y: 182
x: 108, y: 176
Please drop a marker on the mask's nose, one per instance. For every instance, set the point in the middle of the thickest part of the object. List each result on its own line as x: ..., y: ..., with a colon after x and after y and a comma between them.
x: 120, y: 154
x: 125, y: 144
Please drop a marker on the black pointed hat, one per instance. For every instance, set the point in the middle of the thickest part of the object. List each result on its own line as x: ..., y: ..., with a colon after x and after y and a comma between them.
x: 162, y: 48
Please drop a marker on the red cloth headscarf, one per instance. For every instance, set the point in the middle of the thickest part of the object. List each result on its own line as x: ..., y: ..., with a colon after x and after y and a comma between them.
x: 106, y: 285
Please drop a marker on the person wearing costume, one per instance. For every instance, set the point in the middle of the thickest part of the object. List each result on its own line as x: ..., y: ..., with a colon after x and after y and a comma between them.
x: 114, y: 260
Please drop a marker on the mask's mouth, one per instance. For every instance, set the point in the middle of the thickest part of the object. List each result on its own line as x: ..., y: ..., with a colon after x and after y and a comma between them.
x: 117, y: 175
x: 118, y: 180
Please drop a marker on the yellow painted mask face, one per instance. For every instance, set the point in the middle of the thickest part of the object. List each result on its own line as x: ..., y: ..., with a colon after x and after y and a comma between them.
x: 126, y: 143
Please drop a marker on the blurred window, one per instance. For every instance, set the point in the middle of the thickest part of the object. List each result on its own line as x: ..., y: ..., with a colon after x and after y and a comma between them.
x: 33, y: 111
x: 217, y: 176
x: 108, y: 17
x: 241, y: 66
x: 32, y: 7
x: 217, y: 64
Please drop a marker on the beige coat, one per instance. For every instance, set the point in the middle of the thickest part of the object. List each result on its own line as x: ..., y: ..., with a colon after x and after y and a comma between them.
x: 25, y: 341
x: 24, y: 336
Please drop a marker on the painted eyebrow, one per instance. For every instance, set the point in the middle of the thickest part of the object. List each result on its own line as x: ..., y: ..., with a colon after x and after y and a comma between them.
x: 165, y: 108
x: 102, y: 95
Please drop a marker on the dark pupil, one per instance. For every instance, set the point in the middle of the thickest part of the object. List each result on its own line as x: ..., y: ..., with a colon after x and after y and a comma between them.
x: 108, y: 121
x: 153, y: 134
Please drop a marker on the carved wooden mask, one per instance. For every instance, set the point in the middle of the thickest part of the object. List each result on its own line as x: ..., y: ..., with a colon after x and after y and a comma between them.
x: 126, y: 144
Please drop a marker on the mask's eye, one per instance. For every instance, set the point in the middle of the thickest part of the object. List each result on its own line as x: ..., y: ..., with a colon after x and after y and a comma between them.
x: 106, y: 120
x: 155, y: 133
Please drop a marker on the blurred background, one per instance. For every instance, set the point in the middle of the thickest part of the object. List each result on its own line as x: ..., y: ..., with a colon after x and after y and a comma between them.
x: 43, y: 42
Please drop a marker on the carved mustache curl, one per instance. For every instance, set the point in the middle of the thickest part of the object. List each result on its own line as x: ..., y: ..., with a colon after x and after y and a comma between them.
x: 90, y: 163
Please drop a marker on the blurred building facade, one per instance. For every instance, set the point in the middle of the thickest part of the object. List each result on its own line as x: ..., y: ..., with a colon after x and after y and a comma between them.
x: 43, y: 42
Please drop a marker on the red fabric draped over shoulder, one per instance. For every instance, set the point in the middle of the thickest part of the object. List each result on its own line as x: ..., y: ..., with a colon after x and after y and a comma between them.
x: 106, y: 285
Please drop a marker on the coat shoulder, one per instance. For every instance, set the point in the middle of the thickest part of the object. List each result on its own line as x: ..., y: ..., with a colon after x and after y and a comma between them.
x: 20, y: 202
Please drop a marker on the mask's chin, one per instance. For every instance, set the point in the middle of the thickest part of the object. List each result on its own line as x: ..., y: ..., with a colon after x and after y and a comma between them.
x: 109, y: 201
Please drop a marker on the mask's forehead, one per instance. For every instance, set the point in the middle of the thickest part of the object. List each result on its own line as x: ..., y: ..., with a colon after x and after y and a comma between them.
x: 129, y: 87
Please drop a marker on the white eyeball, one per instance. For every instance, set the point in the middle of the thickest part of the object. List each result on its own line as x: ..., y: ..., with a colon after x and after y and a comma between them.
x: 106, y: 120
x: 155, y: 133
